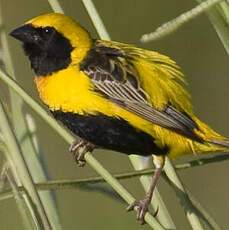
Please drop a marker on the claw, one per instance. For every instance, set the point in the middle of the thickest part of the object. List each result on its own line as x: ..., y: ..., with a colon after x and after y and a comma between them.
x: 79, y: 148
x: 142, y: 207
x: 75, y: 145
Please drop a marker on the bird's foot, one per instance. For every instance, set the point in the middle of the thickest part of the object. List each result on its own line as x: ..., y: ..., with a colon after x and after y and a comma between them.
x: 142, y: 207
x: 79, y: 148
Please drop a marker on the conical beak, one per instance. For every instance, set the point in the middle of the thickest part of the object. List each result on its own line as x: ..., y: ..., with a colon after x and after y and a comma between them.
x: 25, y: 33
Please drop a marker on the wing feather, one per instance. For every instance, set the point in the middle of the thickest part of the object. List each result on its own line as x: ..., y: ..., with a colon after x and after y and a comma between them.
x: 116, y: 79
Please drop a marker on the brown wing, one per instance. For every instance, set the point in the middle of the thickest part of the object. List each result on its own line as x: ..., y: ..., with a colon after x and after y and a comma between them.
x: 117, y: 80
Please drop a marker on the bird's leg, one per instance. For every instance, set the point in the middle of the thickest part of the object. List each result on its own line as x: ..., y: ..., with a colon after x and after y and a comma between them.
x: 79, y: 148
x: 143, y: 205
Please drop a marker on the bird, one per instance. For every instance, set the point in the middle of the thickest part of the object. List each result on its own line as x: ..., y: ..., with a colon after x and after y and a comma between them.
x: 114, y: 96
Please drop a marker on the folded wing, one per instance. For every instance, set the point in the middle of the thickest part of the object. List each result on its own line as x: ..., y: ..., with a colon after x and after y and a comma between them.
x: 116, y: 79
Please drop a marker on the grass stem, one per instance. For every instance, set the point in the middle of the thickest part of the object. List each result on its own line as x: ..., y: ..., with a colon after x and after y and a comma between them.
x: 171, y: 26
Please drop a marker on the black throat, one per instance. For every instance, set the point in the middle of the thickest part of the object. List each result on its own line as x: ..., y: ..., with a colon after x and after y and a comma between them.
x: 50, y: 55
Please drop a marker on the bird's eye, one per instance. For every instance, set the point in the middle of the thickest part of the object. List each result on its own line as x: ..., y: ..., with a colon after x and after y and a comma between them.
x: 48, y: 30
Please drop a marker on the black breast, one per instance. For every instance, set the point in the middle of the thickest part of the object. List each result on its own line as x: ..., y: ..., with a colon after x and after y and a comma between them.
x: 110, y: 133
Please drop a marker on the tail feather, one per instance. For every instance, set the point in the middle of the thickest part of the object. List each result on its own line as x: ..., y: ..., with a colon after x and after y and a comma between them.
x: 223, y: 143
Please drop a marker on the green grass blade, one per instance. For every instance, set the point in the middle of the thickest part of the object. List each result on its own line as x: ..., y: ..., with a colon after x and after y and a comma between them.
x: 21, y: 169
x: 173, y: 25
x: 23, y: 204
x: 219, y: 17
x: 188, y: 208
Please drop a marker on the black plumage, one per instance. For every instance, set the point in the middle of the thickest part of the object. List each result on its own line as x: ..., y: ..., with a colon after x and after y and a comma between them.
x: 110, y: 133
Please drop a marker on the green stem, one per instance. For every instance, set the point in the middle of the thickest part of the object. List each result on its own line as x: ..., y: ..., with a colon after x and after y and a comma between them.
x: 219, y: 17
x: 21, y: 168
x: 206, y: 217
x: 55, y: 5
x: 77, y: 183
x: 196, y: 206
x: 189, y: 211
x: 171, y: 26
x: 74, y: 183
x: 23, y: 207
x: 96, y: 19
x: 120, y: 189
x: 107, y: 177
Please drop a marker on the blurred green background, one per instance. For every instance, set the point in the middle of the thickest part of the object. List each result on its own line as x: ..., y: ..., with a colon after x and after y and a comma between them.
x: 196, y: 48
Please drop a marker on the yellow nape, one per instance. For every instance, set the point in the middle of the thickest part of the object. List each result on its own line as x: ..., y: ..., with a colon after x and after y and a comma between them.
x: 74, y: 32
